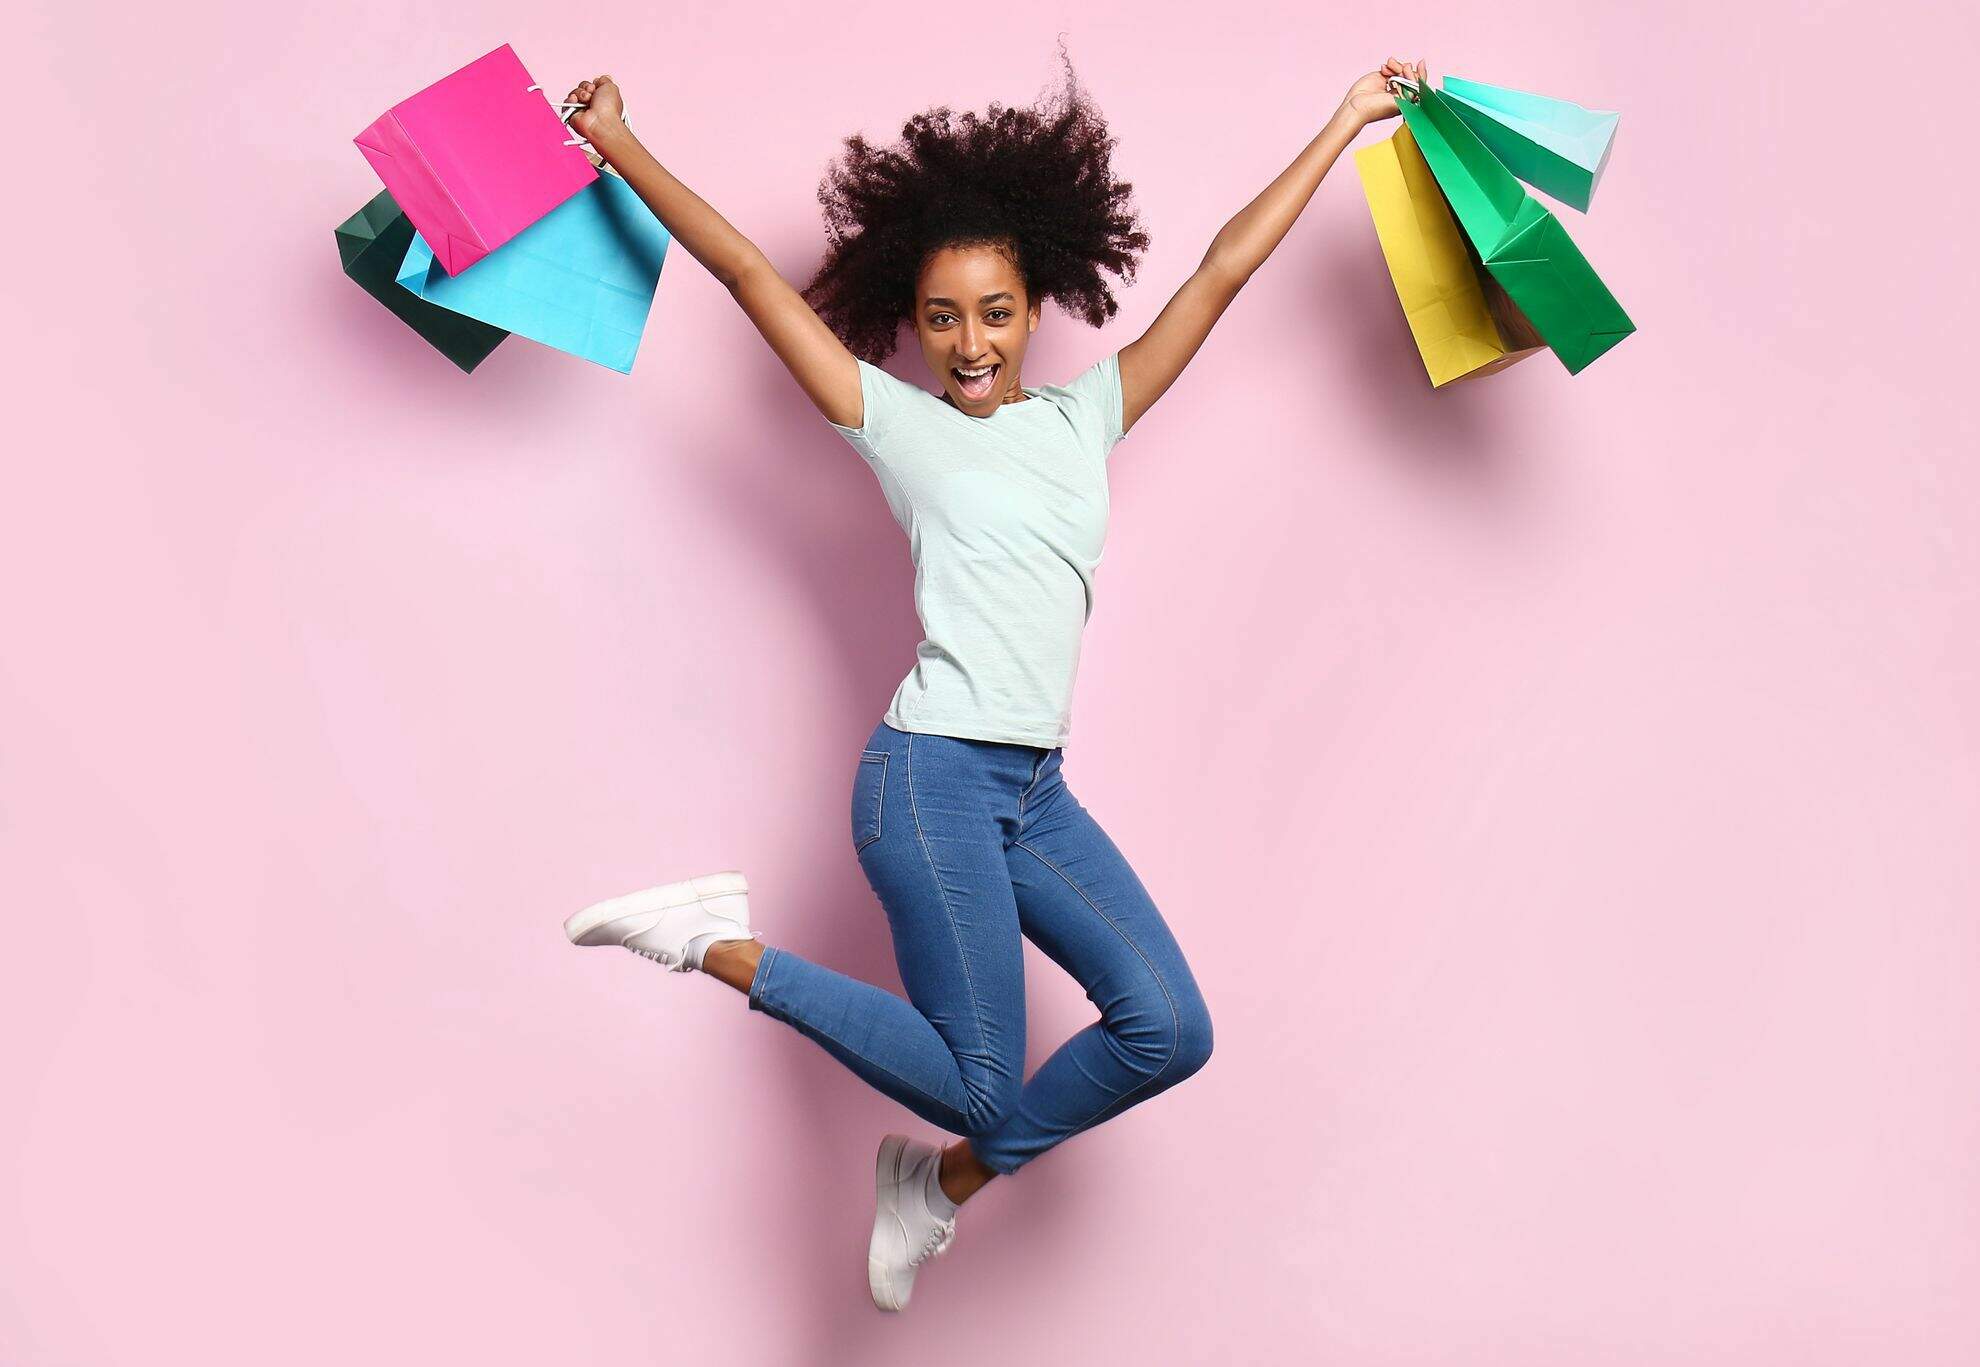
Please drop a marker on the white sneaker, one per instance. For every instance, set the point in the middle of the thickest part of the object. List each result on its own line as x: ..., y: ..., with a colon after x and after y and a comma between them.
x: 908, y: 1226
x: 661, y: 923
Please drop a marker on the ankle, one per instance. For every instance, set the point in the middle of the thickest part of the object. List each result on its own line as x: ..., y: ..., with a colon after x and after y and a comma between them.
x: 960, y: 1173
x: 733, y: 962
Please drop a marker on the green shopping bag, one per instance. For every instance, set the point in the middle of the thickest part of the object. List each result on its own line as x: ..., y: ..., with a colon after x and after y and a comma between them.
x: 1521, y: 243
x: 373, y: 242
x: 1552, y: 145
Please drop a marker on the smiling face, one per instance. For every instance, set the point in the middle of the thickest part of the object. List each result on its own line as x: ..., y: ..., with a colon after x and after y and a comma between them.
x: 974, y: 319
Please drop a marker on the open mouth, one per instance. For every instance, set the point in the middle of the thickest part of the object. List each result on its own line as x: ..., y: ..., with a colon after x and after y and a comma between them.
x: 977, y: 381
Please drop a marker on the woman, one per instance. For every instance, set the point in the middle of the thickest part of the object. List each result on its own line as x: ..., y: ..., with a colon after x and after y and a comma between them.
x: 961, y: 816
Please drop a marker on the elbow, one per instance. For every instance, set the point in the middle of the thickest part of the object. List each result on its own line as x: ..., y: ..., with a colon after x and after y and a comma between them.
x: 1224, y: 276
x: 1225, y: 270
x: 735, y: 274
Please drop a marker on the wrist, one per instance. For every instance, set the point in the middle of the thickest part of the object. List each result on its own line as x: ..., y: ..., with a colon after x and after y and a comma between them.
x: 610, y: 136
x: 1348, y: 119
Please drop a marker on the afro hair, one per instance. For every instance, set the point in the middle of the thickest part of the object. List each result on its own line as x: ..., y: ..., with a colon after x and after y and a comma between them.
x: 1035, y: 182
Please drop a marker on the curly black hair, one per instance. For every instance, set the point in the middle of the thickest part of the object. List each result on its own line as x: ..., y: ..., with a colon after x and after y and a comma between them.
x: 1034, y: 182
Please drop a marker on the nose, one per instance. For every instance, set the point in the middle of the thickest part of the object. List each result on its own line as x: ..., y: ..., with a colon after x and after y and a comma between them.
x: 972, y: 339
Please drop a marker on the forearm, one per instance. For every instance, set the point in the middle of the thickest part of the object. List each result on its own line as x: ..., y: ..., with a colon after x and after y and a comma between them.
x: 688, y: 218
x: 1244, y: 243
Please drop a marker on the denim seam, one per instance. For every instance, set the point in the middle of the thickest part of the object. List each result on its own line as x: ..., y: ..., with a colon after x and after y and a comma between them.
x: 1175, y: 1019
x: 880, y: 804
x: 1024, y: 796
x: 962, y: 1112
x: 969, y: 980
x: 759, y: 981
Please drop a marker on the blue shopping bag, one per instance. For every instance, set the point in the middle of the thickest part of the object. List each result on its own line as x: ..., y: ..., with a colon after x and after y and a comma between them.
x: 580, y: 279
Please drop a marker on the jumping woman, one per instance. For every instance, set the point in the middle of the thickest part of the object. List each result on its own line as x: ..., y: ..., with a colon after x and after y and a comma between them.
x: 961, y: 816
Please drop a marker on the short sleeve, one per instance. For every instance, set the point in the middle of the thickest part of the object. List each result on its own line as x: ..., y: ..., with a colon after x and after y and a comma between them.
x: 882, y: 400
x: 1097, y: 392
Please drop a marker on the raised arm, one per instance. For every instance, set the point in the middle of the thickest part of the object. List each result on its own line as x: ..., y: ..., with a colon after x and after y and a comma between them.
x: 824, y: 369
x: 1150, y: 364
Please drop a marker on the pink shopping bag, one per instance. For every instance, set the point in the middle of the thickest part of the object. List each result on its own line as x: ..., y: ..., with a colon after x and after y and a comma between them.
x: 475, y: 158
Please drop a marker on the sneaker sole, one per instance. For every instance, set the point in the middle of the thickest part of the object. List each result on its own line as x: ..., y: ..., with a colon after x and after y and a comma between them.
x: 886, y: 1169
x: 583, y: 928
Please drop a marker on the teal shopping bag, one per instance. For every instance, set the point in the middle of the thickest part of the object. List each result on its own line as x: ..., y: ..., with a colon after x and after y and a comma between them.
x: 1552, y: 145
x: 580, y: 279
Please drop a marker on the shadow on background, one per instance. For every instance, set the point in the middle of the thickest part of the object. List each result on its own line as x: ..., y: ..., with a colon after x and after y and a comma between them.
x: 1459, y: 435
x: 811, y: 509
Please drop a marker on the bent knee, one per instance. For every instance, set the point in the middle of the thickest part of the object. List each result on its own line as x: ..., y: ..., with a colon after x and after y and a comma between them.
x: 1174, y: 1036
x: 1194, y: 1038
x: 991, y: 1105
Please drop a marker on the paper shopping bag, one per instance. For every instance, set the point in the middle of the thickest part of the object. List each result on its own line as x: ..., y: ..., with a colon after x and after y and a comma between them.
x: 1520, y: 242
x: 373, y: 242
x: 1552, y: 145
x: 1442, y: 288
x: 580, y: 279
x: 475, y: 158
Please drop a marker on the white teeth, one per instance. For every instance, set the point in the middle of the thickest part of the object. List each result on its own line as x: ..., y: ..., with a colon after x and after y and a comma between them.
x: 976, y: 374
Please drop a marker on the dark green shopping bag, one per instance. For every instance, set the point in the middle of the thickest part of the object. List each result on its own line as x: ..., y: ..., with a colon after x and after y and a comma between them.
x: 1522, y: 244
x: 373, y: 242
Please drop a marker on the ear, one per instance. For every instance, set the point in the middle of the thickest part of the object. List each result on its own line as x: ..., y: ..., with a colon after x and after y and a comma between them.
x: 1032, y: 325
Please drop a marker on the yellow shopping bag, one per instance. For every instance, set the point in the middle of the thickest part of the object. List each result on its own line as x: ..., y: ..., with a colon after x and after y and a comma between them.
x: 1464, y: 324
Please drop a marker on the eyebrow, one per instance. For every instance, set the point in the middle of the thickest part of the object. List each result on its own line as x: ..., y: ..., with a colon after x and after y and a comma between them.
x: 986, y: 299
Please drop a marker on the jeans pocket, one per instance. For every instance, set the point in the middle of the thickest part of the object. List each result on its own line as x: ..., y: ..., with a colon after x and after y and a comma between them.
x: 869, y: 798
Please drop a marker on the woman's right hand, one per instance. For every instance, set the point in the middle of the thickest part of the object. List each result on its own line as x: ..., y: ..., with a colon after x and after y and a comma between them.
x: 604, y: 107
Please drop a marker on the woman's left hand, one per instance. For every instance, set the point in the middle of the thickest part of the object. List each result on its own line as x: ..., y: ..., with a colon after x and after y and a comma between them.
x: 1368, y: 99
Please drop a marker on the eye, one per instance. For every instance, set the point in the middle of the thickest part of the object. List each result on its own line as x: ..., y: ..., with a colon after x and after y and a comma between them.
x: 935, y: 320
x: 999, y: 315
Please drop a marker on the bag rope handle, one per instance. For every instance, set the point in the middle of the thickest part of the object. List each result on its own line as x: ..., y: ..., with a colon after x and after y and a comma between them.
x: 565, y: 111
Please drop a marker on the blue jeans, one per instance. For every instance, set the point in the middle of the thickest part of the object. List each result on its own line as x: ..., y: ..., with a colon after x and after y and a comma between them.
x: 970, y: 844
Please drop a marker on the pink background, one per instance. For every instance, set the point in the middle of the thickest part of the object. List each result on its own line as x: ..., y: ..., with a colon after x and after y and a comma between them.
x: 1566, y: 788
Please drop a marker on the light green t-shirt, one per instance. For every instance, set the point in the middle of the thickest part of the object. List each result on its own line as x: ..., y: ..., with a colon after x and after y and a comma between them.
x: 1006, y: 517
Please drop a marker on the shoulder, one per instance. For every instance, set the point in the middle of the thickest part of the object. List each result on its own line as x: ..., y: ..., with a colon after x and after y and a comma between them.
x: 886, y: 400
x: 1092, y: 401
x: 1091, y: 384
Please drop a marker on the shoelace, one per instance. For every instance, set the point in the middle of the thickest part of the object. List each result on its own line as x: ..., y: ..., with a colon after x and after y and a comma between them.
x: 682, y: 965
x: 938, y: 1241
